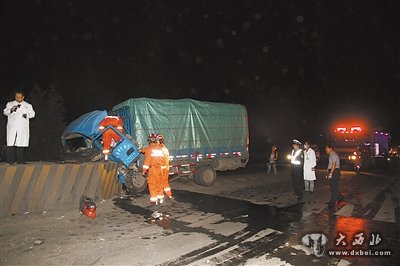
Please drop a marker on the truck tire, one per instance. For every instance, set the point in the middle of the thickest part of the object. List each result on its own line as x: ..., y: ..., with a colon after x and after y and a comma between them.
x: 186, y: 178
x: 135, y: 182
x: 205, y: 176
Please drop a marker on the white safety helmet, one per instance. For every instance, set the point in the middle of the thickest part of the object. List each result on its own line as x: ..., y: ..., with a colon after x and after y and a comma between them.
x: 295, y: 141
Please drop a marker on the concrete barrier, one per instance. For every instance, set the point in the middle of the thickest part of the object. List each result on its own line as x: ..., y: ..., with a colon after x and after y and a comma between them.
x: 45, y: 186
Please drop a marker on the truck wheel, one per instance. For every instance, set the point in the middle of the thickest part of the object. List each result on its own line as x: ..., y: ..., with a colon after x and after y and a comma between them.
x: 186, y: 178
x: 136, y: 182
x: 205, y: 176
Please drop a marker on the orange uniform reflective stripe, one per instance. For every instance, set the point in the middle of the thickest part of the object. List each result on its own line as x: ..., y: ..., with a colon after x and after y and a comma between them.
x: 154, y: 156
x: 154, y: 161
x: 164, y: 181
x: 109, y: 135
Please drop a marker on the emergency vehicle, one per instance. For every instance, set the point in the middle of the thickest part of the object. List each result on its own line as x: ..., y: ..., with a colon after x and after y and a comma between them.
x: 358, y: 147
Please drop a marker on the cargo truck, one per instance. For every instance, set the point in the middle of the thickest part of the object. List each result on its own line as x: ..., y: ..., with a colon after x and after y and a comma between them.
x: 202, y: 137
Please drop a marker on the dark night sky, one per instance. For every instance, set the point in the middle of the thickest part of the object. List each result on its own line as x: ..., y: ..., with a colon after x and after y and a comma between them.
x: 296, y: 65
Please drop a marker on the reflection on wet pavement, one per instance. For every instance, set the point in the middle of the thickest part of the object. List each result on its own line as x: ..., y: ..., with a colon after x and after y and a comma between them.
x: 242, y: 231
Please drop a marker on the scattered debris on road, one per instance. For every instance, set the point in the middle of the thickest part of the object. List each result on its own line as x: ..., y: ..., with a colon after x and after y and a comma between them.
x: 39, y: 242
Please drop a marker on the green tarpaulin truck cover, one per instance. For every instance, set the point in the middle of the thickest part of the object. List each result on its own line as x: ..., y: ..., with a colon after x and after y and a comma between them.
x: 186, y: 124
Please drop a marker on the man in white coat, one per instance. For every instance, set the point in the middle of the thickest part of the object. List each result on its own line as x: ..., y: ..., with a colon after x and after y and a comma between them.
x: 18, y: 112
x: 310, y: 161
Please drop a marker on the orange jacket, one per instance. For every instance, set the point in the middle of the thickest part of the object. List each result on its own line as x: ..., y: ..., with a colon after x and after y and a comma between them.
x: 114, y: 121
x: 166, y: 154
x: 153, y: 157
x: 109, y: 135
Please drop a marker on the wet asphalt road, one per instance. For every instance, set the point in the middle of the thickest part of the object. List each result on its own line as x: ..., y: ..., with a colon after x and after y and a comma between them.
x: 285, y: 226
x: 246, y: 218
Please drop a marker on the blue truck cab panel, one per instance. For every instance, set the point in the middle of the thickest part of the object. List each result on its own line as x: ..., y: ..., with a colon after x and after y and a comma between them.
x: 87, y: 128
x: 124, y: 152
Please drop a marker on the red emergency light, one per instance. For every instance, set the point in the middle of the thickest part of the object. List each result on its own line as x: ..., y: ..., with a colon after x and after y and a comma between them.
x: 341, y: 129
x: 353, y: 129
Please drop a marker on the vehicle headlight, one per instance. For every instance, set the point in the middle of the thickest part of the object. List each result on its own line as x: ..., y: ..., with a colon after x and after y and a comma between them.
x: 288, y: 156
x: 352, y: 157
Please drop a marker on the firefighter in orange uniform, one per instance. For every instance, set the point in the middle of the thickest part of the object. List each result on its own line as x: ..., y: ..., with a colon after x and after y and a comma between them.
x: 164, y: 183
x: 154, y: 164
x: 109, y: 135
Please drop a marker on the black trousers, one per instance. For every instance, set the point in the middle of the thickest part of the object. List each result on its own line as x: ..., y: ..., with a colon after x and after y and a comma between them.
x: 15, y: 154
x: 297, y: 180
x: 334, y: 184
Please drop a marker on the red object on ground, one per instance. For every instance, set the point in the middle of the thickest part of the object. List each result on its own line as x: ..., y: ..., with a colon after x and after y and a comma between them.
x: 89, y: 209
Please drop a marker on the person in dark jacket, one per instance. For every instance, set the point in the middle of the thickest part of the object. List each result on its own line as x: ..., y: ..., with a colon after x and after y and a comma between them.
x: 297, y: 163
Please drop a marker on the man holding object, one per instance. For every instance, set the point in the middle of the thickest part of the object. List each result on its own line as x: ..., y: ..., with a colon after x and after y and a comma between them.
x: 18, y: 112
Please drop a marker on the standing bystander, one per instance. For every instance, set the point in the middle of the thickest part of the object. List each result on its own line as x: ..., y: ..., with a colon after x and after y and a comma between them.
x: 310, y: 161
x: 18, y: 113
x: 273, y: 158
x: 333, y: 176
x: 297, y: 162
